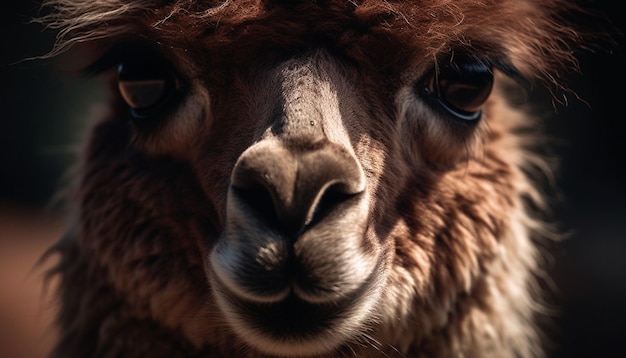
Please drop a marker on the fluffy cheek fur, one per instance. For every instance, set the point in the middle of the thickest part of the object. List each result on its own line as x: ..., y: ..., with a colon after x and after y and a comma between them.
x: 463, y: 264
x: 153, y: 229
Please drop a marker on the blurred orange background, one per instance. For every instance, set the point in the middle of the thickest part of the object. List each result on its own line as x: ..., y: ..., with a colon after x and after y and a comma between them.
x: 25, y: 309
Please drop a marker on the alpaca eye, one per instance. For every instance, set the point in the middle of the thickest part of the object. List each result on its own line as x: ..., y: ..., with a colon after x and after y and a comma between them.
x: 146, y: 87
x: 460, y: 87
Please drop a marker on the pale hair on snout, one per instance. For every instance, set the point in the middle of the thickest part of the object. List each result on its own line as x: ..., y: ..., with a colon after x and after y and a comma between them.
x: 308, y: 178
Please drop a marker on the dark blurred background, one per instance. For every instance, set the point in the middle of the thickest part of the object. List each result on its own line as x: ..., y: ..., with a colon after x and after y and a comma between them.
x: 43, y: 109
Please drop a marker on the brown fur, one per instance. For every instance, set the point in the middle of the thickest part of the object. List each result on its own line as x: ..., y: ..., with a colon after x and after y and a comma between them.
x: 445, y: 207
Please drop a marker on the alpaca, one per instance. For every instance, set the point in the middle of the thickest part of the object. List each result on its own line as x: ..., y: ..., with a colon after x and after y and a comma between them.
x: 333, y: 178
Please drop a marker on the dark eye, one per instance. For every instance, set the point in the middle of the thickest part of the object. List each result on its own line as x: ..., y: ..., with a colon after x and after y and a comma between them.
x: 460, y: 87
x: 147, y: 87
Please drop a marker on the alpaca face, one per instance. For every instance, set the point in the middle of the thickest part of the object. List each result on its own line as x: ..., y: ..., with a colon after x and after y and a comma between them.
x: 310, y: 179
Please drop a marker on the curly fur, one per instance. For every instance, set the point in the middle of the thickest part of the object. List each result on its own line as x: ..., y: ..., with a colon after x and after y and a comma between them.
x: 446, y: 215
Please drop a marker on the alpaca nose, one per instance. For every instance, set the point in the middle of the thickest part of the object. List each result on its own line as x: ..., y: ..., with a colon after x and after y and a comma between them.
x: 292, y: 188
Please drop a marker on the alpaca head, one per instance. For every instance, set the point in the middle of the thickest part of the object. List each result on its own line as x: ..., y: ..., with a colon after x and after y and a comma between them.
x: 309, y: 177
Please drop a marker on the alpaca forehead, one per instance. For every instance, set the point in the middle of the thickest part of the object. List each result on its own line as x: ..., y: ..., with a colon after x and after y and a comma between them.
x: 392, y: 33
x: 399, y: 28
x: 386, y: 36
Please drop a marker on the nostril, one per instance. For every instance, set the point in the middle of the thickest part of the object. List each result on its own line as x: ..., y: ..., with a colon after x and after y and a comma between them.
x: 330, y: 201
x: 258, y: 200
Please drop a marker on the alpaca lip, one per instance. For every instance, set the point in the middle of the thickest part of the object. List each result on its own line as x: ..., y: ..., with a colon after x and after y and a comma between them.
x: 288, y: 318
x: 293, y: 320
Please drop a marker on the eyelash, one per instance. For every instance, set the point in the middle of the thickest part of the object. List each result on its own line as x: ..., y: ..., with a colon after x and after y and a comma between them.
x: 460, y: 85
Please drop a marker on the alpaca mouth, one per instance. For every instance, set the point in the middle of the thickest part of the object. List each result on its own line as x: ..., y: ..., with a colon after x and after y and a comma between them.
x: 297, y: 326
x: 291, y: 318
